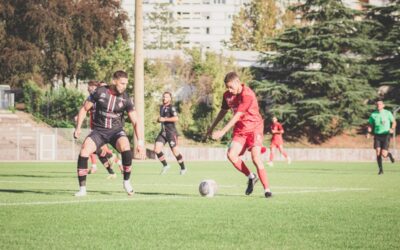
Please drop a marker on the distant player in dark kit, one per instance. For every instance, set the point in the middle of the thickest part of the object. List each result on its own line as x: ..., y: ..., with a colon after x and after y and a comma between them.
x: 248, y: 130
x: 382, y: 124
x: 111, y: 103
x: 168, y: 118
x: 277, y: 141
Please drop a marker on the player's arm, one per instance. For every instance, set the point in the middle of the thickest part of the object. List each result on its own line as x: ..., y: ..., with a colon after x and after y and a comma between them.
x: 370, y: 126
x: 168, y: 119
x: 394, y: 124
x: 218, y: 134
x: 138, y: 133
x: 81, y: 117
x: 219, y: 117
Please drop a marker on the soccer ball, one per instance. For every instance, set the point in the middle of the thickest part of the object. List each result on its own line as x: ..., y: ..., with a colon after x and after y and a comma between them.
x: 208, y: 188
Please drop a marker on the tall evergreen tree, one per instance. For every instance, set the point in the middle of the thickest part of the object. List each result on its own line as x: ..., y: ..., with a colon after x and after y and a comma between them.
x: 318, y: 81
x: 388, y: 57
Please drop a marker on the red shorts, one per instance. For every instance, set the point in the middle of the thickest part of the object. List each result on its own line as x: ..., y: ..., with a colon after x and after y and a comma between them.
x: 250, y: 139
x: 276, y: 143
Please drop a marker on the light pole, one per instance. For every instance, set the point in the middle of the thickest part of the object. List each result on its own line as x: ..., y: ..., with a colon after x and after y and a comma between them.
x: 139, y: 65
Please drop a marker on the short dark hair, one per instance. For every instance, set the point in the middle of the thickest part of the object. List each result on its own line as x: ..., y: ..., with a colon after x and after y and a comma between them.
x: 168, y: 93
x: 119, y: 74
x: 93, y: 83
x: 378, y: 100
x: 230, y: 76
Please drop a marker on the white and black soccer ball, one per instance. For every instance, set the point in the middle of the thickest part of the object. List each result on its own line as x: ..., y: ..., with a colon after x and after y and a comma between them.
x: 208, y: 188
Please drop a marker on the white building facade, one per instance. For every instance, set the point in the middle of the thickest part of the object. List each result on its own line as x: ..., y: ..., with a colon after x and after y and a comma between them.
x: 207, y: 23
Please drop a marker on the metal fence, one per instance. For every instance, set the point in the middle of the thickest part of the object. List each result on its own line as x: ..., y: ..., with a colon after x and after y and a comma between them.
x: 27, y: 143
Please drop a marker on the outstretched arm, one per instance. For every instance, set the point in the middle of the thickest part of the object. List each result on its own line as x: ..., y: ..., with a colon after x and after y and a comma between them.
x: 218, y: 134
x: 219, y: 117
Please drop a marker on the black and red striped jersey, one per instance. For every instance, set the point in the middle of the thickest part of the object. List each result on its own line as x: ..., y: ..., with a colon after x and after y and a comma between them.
x: 109, y: 108
x: 168, y: 111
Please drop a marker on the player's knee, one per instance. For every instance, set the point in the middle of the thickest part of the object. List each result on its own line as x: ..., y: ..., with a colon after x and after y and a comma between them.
x: 127, y: 157
x: 232, y: 156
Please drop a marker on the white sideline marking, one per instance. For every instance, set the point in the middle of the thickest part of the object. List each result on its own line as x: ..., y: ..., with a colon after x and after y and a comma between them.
x: 325, y: 190
x: 80, y: 200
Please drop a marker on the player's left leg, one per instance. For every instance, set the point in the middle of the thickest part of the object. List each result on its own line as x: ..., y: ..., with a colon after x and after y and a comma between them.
x: 262, y: 173
x: 179, y: 158
x: 238, y: 145
x: 123, y: 146
x: 173, y: 144
x: 385, y: 148
x: 106, y: 157
x: 280, y: 148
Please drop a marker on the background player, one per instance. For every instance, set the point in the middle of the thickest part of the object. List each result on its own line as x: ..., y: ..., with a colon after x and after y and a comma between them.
x: 277, y: 141
x: 248, y: 130
x: 168, y: 118
x: 382, y: 124
x: 111, y: 104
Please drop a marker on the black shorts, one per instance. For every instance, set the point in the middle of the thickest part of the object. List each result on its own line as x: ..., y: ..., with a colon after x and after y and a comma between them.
x: 382, y: 141
x: 105, y: 136
x: 171, y: 138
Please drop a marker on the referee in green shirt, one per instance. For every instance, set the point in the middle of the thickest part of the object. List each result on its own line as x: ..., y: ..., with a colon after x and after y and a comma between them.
x: 382, y: 124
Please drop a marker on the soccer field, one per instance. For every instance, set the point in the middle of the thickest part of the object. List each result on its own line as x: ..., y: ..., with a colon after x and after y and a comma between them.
x: 314, y: 206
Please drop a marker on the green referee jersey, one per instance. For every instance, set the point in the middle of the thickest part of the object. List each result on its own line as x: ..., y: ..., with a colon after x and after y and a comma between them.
x: 381, y: 121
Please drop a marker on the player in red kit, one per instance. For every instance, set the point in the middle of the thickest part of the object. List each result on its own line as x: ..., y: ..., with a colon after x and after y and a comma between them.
x: 247, y: 132
x: 277, y: 141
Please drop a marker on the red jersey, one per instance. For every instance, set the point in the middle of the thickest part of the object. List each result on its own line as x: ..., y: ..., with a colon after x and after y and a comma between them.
x: 245, y: 102
x: 277, y: 138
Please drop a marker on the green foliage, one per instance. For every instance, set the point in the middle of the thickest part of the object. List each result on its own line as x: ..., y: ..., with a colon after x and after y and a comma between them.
x: 50, y: 37
x: 207, y: 82
x: 257, y: 22
x: 105, y: 61
x: 318, y: 82
x: 33, y: 97
x: 388, y: 56
x: 55, y: 107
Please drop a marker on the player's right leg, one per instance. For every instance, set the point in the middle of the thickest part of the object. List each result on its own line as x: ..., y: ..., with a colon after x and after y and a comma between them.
x: 234, y: 151
x: 262, y: 173
x: 379, y: 160
x: 88, y: 147
x: 123, y: 146
x: 158, y: 146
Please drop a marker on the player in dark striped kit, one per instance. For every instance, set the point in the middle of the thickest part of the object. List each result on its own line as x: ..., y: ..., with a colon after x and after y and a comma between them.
x: 168, y: 118
x: 111, y: 103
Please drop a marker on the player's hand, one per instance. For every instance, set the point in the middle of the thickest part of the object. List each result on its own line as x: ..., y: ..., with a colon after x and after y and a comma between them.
x: 141, y: 153
x: 391, y: 130
x: 77, y: 133
x: 161, y: 119
x: 217, y: 134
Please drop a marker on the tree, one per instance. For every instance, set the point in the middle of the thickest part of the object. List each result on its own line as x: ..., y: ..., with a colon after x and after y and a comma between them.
x: 257, y: 22
x: 164, y: 29
x: 319, y: 79
x: 388, y: 57
x: 50, y: 38
x: 104, y: 62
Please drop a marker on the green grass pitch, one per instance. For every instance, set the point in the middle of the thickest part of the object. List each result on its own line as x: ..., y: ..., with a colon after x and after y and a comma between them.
x: 314, y: 206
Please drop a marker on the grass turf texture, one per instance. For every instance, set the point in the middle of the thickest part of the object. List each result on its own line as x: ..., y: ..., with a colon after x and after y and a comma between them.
x: 315, y: 206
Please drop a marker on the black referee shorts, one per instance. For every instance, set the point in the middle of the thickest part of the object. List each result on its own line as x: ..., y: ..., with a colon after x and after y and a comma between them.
x: 382, y: 141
